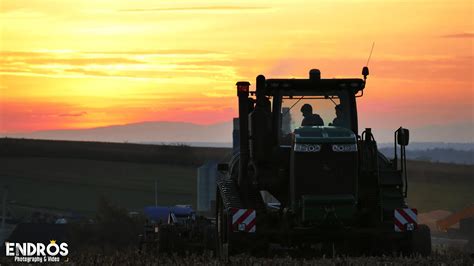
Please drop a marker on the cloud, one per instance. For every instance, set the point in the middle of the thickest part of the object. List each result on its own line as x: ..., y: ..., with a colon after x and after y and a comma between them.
x: 70, y: 58
x: 123, y: 64
x: 465, y: 35
x: 19, y: 54
x: 73, y: 114
x: 81, y: 61
x: 415, y: 69
x: 158, y: 52
x: 208, y: 63
x: 194, y: 8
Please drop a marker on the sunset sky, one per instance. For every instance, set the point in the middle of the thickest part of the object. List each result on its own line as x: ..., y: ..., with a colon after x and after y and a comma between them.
x: 82, y: 64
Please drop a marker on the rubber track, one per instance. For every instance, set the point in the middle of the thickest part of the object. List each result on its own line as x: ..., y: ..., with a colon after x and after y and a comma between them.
x: 229, y: 192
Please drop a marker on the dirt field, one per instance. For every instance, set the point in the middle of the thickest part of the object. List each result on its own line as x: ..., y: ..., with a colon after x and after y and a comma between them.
x: 76, y: 184
x: 117, y: 152
x: 440, y: 186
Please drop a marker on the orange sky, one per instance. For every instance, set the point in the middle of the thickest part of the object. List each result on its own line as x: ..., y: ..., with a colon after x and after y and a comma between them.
x: 81, y: 64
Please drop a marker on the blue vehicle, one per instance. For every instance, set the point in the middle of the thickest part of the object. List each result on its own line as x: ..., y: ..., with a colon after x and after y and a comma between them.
x: 161, y: 214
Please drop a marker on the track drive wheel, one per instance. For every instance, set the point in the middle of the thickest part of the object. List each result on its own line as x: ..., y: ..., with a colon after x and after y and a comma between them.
x: 421, y: 241
x: 165, y: 239
x: 222, y: 241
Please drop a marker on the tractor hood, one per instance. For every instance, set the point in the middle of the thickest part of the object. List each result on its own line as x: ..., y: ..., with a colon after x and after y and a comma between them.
x: 323, y: 174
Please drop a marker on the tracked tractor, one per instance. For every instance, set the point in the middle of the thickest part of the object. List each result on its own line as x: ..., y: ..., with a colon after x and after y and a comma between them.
x: 304, y: 179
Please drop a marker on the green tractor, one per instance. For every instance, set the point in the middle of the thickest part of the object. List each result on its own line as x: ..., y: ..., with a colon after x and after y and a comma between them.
x: 303, y: 179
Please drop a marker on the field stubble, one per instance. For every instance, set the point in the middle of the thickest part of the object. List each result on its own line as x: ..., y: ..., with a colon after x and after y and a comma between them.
x: 131, y: 257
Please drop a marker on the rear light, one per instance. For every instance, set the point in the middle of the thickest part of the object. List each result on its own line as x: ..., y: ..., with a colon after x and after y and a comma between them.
x: 243, y: 86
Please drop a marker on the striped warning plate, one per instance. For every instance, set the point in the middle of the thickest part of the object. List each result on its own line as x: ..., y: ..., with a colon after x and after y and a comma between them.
x: 244, y: 220
x: 405, y: 219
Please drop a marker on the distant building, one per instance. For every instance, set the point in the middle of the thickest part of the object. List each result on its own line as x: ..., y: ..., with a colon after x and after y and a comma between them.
x: 206, y: 186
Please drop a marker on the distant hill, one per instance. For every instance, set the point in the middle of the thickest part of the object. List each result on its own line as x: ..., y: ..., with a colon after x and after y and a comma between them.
x: 444, y: 155
x: 145, y: 132
x: 192, y: 144
x: 444, y: 152
x: 453, y: 132
x: 220, y: 134
x: 417, y: 146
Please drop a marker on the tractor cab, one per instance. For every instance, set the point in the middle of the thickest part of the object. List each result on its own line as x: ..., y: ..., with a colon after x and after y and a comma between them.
x: 332, y: 110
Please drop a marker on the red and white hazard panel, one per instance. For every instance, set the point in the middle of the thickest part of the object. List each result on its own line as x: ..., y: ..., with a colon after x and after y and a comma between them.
x: 405, y: 219
x: 244, y: 220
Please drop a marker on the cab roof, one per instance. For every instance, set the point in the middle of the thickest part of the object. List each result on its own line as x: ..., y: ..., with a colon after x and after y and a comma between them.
x: 312, y: 86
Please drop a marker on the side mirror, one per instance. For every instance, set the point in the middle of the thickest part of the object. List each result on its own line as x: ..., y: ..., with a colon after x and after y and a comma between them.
x: 403, y: 136
x: 223, y: 167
